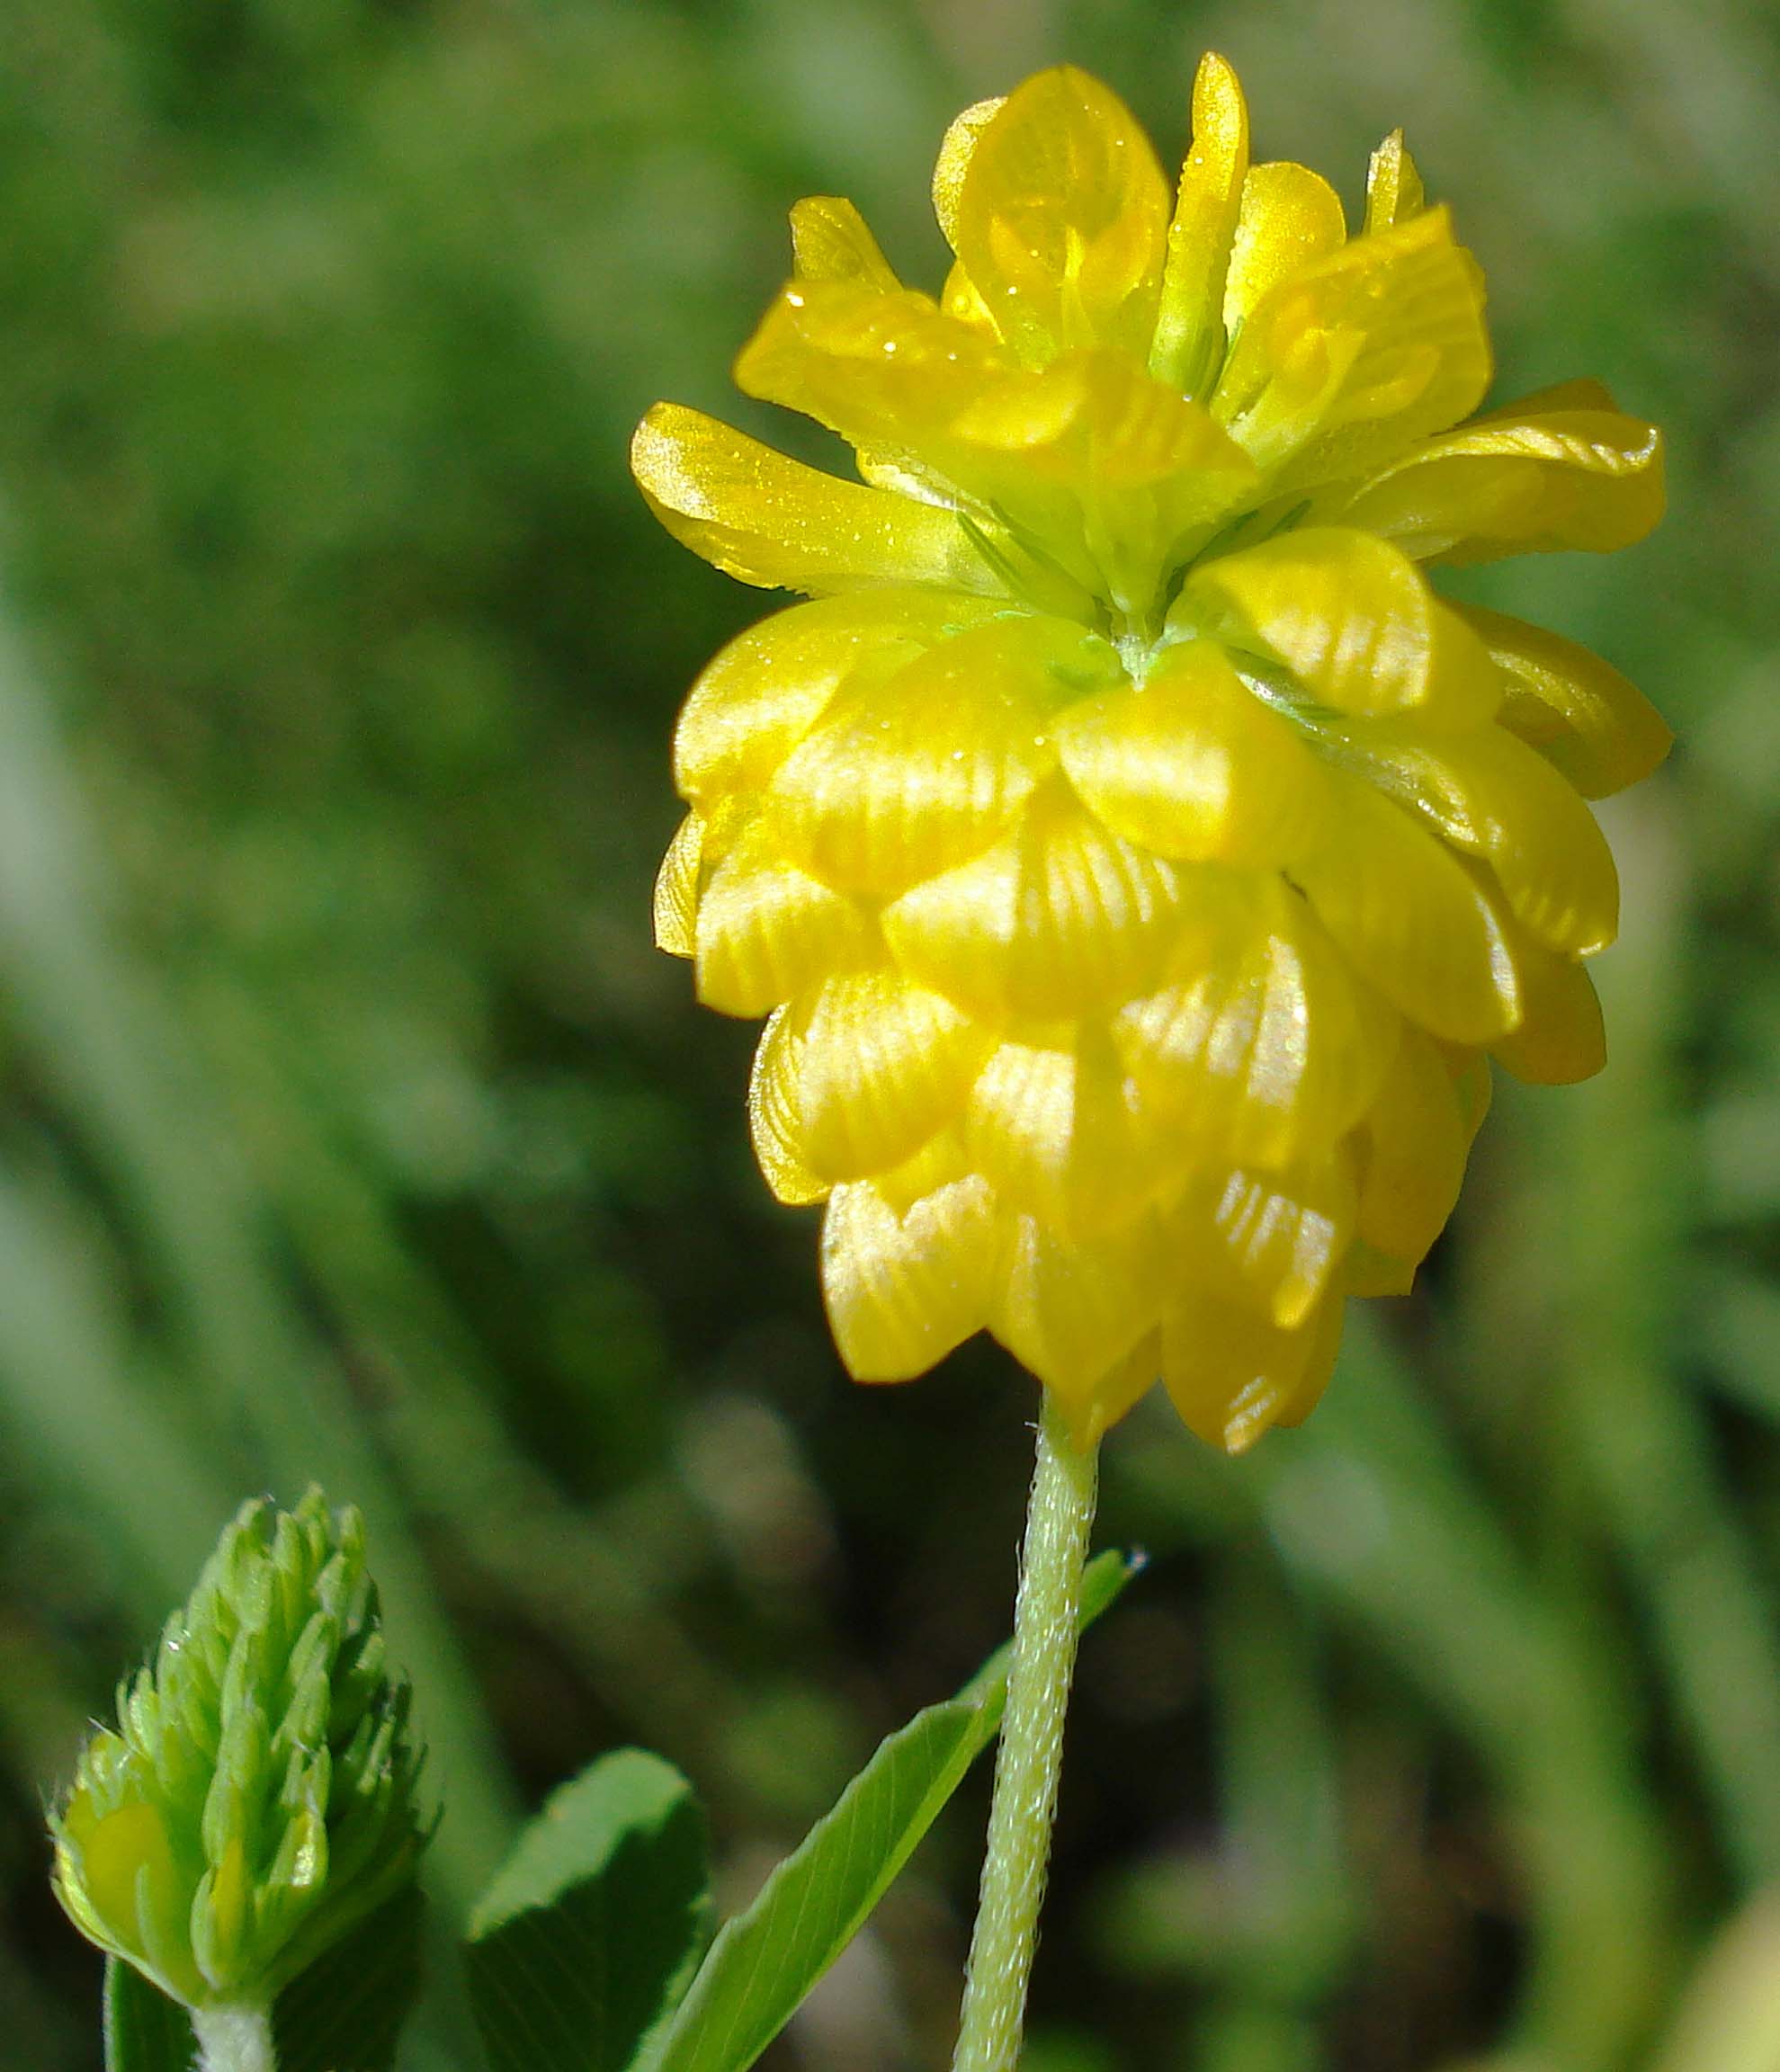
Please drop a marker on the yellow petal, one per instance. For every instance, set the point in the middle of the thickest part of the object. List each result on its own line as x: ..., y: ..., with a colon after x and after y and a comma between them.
x: 1095, y: 1410
x: 1192, y: 765
x: 940, y: 1161
x: 1413, y: 919
x: 1059, y: 920
x: 774, y: 522
x: 1413, y: 1156
x: 1071, y: 1312
x: 1288, y: 217
x: 1232, y: 1374
x: 1063, y: 219
x: 1345, y: 362
x: 1284, y: 1233
x: 1495, y: 797
x: 1562, y: 1039
x: 1263, y: 1045
x: 956, y: 150
x: 1189, y: 343
x: 764, y: 692
x: 906, y: 778
x: 1061, y: 1135
x: 1353, y: 619
x: 774, y: 1122
x: 767, y: 931
x: 884, y: 1065
x: 1533, y: 478
x: 1393, y: 186
x: 902, y: 1290
x: 1586, y: 718
x: 676, y: 888
x: 831, y: 241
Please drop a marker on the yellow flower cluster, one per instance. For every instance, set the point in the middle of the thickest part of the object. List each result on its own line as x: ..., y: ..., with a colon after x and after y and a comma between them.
x: 1138, y: 860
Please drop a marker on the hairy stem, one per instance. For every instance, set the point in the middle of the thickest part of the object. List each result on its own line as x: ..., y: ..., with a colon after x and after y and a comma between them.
x: 1024, y: 1803
x: 235, y: 2039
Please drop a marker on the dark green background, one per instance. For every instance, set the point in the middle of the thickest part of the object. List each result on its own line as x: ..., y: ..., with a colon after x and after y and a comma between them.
x: 350, y: 1125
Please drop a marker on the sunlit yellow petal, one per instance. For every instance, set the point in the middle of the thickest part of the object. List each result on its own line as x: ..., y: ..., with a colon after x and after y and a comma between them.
x: 1578, y: 711
x: 1353, y: 618
x: 1393, y: 186
x: 1231, y: 1372
x: 776, y: 523
x: 1345, y: 362
x: 1189, y: 342
x: 907, y: 777
x: 764, y: 692
x: 1059, y: 919
x: 1562, y: 1039
x: 1288, y: 217
x: 676, y: 888
x: 831, y: 241
x: 1284, y: 1233
x: 1071, y: 1310
x: 1062, y: 218
x: 1413, y: 919
x: 1533, y: 478
x: 956, y: 152
x: 1414, y: 1153
x: 902, y: 1290
x: 767, y: 931
x: 1192, y: 765
x: 1264, y: 1041
x: 773, y: 1121
x: 884, y: 1066
x: 1492, y: 796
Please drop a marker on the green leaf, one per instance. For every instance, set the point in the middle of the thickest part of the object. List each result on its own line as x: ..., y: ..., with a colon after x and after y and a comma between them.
x: 345, y: 2012
x: 765, y: 1960
x: 589, y: 1933
x: 145, y: 2031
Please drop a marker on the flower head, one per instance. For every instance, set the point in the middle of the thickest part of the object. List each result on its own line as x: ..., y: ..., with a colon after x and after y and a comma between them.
x: 258, y: 1797
x: 1138, y: 859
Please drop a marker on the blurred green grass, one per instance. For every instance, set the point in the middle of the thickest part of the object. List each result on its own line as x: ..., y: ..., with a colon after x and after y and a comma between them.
x: 349, y: 1125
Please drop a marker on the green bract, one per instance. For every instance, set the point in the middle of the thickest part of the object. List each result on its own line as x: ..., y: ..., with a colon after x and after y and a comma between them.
x: 258, y: 1796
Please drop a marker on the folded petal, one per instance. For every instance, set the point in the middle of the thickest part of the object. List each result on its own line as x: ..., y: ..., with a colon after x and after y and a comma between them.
x: 1562, y: 469
x: 1562, y: 1039
x: 767, y: 931
x: 1393, y: 186
x: 957, y: 148
x: 831, y: 241
x: 1285, y: 1233
x: 1353, y: 618
x: 884, y: 1066
x: 1189, y: 343
x: 1063, y: 219
x: 776, y: 523
x: 1231, y: 1372
x: 1264, y: 1044
x: 758, y: 697
x: 1192, y: 765
x: 1495, y: 797
x: 1071, y: 1310
x: 774, y: 1122
x: 1582, y: 716
x: 1413, y: 1156
x: 1061, y: 919
x: 676, y: 888
x: 1414, y: 919
x: 902, y: 1290
x: 1342, y: 362
x: 1288, y: 217
x: 906, y: 778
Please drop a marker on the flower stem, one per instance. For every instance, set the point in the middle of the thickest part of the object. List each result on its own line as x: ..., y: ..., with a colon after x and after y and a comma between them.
x: 235, y: 2039
x: 1046, y: 1617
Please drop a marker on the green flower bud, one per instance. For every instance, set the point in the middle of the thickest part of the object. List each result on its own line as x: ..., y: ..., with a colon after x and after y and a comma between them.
x: 259, y: 1795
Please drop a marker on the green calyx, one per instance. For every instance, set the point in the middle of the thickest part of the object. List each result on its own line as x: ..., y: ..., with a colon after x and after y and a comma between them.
x: 259, y: 1794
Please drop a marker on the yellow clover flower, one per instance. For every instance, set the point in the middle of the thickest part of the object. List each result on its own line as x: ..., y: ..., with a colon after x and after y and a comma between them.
x: 1138, y: 859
